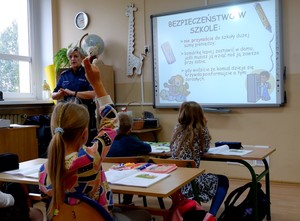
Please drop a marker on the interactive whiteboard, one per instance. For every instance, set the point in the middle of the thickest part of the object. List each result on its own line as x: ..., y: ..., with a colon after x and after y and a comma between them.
x: 228, y: 55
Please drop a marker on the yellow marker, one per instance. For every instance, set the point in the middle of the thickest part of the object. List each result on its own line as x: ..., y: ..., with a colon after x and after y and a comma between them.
x: 263, y: 17
x: 128, y: 164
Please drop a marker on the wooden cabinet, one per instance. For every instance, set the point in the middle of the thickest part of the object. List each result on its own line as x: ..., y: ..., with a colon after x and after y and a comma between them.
x: 108, y: 79
x: 21, y: 140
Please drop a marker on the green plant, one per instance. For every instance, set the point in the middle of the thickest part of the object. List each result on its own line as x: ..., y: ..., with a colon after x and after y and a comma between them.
x: 61, y: 59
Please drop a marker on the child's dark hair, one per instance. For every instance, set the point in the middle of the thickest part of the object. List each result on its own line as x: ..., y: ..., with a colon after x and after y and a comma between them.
x: 125, y: 123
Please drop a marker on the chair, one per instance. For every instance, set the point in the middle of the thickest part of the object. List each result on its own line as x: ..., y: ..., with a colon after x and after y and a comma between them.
x: 86, y: 209
x: 134, y: 159
x: 179, y: 163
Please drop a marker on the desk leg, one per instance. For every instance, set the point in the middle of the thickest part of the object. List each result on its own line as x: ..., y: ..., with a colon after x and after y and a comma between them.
x: 268, y: 188
x: 255, y: 179
x: 161, y: 203
x: 253, y: 186
x: 155, y: 136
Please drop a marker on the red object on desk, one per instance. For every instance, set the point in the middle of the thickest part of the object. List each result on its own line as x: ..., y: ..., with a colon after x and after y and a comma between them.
x: 160, y: 168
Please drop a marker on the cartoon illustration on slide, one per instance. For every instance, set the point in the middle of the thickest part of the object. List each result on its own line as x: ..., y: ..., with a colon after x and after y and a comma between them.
x: 177, y: 89
x: 260, y: 83
x: 265, y: 85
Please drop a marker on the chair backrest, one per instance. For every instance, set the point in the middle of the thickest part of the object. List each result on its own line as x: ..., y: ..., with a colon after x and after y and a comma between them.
x: 87, y: 209
x: 137, y: 159
x: 179, y: 163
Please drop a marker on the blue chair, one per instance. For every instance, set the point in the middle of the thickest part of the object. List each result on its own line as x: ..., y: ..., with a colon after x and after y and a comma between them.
x: 86, y: 209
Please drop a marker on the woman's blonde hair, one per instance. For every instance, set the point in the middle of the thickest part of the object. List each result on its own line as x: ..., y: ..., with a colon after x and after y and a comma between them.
x: 76, y: 48
x: 68, y: 121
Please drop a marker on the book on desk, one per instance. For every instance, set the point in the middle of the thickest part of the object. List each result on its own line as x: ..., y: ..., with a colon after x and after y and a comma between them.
x: 159, y: 147
x: 30, y: 171
x: 225, y: 150
x: 138, y: 174
x: 134, y: 177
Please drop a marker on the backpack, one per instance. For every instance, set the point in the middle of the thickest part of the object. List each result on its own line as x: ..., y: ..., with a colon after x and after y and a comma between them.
x: 244, y: 211
x: 9, y: 161
x: 188, y: 210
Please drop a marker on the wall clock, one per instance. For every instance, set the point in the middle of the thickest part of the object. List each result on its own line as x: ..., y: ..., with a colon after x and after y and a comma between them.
x: 81, y: 20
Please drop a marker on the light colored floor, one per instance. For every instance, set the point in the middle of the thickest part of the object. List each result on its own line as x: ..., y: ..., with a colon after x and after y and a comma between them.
x: 285, y: 201
x: 41, y: 206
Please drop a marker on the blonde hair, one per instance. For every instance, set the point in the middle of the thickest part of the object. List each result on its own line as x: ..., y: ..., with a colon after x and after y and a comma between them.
x: 75, y: 48
x: 68, y: 121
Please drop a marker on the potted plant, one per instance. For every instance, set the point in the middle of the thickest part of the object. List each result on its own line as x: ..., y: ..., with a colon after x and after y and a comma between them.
x: 61, y: 59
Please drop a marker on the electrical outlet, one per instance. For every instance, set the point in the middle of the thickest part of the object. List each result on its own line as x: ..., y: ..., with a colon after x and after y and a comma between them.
x: 146, y: 49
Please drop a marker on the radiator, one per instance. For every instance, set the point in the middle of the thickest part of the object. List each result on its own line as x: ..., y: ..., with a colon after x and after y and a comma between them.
x: 14, y: 118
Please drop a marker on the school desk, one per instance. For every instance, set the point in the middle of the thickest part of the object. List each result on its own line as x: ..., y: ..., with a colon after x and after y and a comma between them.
x: 162, y: 189
x: 257, y: 154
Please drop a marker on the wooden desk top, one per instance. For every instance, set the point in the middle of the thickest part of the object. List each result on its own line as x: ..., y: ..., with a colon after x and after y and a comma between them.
x: 21, y: 179
x: 256, y: 154
x: 146, y: 130
x: 163, y: 188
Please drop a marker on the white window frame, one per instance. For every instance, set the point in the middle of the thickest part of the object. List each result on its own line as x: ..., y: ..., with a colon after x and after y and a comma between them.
x: 41, y: 50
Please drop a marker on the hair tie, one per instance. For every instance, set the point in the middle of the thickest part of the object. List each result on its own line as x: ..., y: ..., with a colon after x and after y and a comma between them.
x: 58, y: 130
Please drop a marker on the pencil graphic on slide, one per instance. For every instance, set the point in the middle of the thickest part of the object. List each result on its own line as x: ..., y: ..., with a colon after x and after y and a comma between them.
x: 168, y: 52
x: 263, y: 17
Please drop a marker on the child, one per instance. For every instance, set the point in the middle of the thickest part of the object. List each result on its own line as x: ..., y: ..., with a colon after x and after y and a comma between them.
x: 191, y: 138
x: 126, y: 145
x: 13, y: 205
x: 73, y: 167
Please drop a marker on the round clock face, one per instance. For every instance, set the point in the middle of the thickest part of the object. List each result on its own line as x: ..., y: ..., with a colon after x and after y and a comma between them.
x: 81, y: 20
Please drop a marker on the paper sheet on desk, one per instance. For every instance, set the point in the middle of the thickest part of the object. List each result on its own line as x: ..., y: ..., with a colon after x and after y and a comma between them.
x: 224, y: 150
x: 32, y: 171
x: 159, y: 147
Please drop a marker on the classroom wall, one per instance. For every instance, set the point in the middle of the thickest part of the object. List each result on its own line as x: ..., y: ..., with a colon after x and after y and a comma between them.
x: 275, y: 127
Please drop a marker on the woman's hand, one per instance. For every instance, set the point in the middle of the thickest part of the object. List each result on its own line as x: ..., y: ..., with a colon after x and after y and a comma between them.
x: 69, y: 92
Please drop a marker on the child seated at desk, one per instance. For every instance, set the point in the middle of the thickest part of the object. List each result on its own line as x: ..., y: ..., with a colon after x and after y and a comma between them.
x: 190, y: 140
x: 126, y: 145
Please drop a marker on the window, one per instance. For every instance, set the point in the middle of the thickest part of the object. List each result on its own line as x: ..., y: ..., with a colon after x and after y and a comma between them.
x: 15, y: 57
x: 21, y: 47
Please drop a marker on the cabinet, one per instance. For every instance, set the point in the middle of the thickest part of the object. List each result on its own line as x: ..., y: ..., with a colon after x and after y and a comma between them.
x: 21, y: 140
x: 108, y: 79
x: 143, y: 134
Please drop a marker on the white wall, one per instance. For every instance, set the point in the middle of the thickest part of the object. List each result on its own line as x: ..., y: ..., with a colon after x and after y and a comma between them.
x: 276, y: 127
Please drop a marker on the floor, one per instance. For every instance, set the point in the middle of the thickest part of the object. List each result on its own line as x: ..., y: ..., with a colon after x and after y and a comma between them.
x: 285, y: 201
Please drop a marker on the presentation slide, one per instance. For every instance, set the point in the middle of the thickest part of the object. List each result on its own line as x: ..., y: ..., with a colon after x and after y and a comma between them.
x: 223, y: 56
